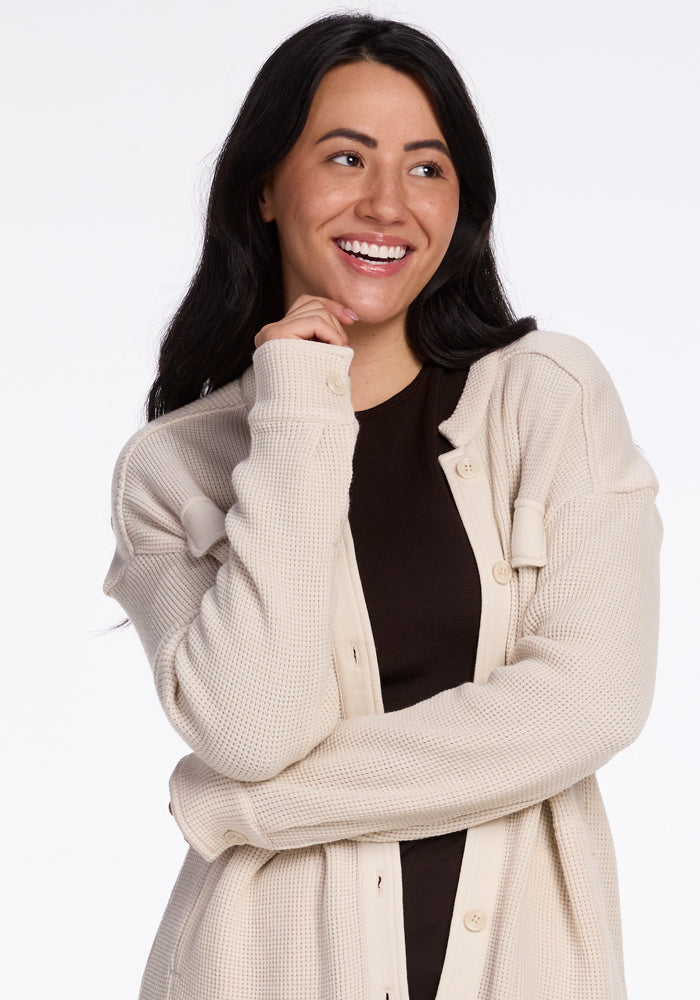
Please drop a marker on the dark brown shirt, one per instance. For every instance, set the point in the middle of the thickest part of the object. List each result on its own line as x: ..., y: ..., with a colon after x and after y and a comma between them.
x: 421, y: 586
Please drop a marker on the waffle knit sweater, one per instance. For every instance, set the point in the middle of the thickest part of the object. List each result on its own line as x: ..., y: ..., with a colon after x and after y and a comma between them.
x: 235, y: 563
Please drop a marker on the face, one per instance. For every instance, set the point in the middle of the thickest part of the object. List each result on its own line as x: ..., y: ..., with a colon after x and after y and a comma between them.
x: 366, y: 201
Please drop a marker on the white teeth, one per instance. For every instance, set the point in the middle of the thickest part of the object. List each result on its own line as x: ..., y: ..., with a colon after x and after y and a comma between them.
x: 382, y: 252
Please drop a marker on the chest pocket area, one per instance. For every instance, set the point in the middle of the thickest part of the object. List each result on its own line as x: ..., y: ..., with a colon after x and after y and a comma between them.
x: 205, y: 527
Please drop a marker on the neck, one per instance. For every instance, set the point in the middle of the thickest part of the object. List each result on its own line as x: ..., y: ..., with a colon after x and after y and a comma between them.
x: 383, y: 363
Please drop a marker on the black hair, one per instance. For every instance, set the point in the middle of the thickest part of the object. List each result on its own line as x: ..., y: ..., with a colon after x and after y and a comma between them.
x: 461, y: 315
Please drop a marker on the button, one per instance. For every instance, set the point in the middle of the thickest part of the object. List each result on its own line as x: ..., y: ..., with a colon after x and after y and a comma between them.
x: 232, y: 838
x: 337, y: 383
x: 475, y: 920
x: 468, y: 468
x: 502, y: 572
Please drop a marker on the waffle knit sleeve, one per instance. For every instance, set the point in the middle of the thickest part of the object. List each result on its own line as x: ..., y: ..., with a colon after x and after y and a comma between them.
x: 576, y: 690
x: 241, y: 652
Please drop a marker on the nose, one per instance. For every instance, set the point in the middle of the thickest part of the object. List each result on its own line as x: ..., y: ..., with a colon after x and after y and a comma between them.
x: 383, y: 199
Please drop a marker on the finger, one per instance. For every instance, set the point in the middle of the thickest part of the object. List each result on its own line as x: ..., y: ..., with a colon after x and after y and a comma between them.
x: 342, y: 313
x: 315, y: 307
x: 319, y: 325
x: 312, y: 326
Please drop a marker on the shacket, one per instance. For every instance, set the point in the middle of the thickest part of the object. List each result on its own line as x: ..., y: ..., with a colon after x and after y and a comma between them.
x: 235, y: 563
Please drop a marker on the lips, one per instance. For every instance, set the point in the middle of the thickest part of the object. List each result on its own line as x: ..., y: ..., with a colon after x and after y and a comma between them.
x: 373, y: 249
x: 368, y: 265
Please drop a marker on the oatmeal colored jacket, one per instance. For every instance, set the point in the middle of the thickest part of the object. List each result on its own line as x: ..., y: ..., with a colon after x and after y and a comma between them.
x: 235, y: 563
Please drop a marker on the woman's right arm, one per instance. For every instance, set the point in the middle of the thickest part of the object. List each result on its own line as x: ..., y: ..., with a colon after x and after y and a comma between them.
x: 241, y: 653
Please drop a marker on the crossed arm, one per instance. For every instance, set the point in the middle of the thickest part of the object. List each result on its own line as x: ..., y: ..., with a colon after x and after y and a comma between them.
x: 241, y: 655
x: 578, y: 690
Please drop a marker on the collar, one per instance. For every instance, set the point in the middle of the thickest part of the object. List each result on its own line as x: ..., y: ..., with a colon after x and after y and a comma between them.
x: 461, y: 427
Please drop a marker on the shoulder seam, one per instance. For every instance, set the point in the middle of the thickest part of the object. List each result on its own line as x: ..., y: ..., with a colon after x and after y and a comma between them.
x: 537, y: 352
x: 583, y: 390
x: 155, y: 426
x: 146, y: 432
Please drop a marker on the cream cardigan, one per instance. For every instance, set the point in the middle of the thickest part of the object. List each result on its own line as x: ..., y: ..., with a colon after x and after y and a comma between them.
x: 245, y: 592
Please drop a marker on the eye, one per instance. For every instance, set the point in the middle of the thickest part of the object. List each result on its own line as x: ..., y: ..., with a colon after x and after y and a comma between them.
x: 346, y: 159
x: 426, y: 170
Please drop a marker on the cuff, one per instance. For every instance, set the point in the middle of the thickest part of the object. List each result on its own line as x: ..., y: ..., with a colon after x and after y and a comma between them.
x: 302, y: 380
x: 213, y: 812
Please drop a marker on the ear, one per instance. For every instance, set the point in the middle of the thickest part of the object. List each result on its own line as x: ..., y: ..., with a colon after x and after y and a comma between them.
x: 265, y: 203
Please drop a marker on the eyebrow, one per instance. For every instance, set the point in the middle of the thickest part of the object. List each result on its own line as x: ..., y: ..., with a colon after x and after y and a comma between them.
x: 349, y: 133
x: 370, y: 143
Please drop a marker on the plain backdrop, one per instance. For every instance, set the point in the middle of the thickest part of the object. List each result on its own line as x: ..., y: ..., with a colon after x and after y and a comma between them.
x: 113, y: 114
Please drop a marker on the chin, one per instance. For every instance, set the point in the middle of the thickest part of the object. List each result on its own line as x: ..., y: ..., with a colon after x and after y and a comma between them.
x: 376, y: 313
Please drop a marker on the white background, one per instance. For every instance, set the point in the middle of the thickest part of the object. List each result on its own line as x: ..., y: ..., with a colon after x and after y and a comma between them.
x: 113, y: 117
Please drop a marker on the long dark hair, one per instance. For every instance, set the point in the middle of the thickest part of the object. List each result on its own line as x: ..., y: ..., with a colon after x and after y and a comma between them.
x: 462, y: 313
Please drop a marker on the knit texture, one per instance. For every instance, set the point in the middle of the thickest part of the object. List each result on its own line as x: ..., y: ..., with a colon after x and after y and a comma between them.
x: 240, y: 644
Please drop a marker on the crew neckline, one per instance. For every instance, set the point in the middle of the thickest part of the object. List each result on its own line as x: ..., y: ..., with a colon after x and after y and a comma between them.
x: 392, y: 401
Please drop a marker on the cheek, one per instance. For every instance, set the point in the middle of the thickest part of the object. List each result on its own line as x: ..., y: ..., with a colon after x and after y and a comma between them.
x: 452, y: 211
x: 448, y: 221
x: 440, y: 218
x: 307, y: 208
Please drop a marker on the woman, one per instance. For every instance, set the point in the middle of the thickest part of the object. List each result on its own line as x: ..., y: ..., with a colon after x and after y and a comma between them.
x: 376, y: 642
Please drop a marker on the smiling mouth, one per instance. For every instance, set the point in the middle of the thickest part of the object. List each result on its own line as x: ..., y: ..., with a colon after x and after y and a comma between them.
x: 371, y: 252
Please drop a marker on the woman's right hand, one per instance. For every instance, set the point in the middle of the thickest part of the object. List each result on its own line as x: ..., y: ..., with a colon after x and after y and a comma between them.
x: 310, y: 317
x: 239, y: 634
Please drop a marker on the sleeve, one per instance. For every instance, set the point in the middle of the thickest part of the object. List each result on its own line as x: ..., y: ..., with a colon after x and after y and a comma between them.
x: 577, y: 690
x: 241, y: 652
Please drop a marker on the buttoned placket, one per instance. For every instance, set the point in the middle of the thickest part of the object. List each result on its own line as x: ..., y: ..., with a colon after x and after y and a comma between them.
x: 482, y: 861
x: 360, y: 689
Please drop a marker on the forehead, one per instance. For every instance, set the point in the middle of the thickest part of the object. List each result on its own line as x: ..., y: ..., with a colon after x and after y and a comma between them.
x: 361, y: 94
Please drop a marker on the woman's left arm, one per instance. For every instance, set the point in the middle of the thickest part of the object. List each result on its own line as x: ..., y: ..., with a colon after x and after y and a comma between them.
x: 576, y: 692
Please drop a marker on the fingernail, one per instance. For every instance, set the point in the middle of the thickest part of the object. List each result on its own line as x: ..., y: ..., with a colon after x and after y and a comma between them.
x: 352, y: 315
